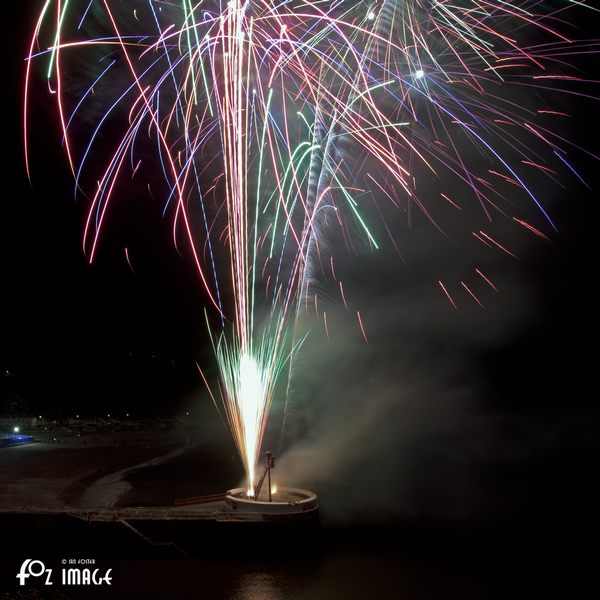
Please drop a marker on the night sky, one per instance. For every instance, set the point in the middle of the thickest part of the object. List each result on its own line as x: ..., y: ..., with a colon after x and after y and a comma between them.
x: 101, y: 338
x: 84, y: 338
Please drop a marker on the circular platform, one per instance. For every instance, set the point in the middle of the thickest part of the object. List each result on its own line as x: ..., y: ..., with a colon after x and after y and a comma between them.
x: 286, y: 501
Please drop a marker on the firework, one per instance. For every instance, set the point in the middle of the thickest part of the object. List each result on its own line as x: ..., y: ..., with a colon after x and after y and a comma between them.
x: 271, y: 122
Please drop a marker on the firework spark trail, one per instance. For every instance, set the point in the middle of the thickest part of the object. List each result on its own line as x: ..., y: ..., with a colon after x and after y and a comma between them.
x: 280, y: 120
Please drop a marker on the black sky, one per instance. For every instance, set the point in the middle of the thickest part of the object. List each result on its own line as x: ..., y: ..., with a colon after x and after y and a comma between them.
x: 63, y: 316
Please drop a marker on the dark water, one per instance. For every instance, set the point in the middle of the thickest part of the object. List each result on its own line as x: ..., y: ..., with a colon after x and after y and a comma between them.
x: 535, y: 544
x: 410, y: 561
x: 200, y: 470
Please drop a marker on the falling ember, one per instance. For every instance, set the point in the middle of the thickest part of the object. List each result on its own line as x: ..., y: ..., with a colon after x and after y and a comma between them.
x: 486, y: 280
x: 531, y: 228
x: 128, y: 258
x: 498, y: 245
x: 472, y: 294
x: 362, y: 328
x: 343, y: 296
x: 448, y: 295
x: 450, y: 201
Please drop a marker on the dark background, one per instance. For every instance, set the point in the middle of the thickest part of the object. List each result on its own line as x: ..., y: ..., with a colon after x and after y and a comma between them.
x: 487, y: 418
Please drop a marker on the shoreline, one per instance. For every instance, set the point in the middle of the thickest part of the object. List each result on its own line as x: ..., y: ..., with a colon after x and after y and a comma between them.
x: 109, y: 490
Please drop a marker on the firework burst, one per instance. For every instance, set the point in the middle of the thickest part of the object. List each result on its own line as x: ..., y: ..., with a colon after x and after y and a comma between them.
x: 272, y: 121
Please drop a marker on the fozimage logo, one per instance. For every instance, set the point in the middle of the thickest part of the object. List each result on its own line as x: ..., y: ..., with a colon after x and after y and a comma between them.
x: 33, y: 568
x: 71, y: 575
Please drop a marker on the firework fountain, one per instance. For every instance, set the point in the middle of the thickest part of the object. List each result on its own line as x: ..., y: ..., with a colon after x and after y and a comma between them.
x: 271, y: 122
